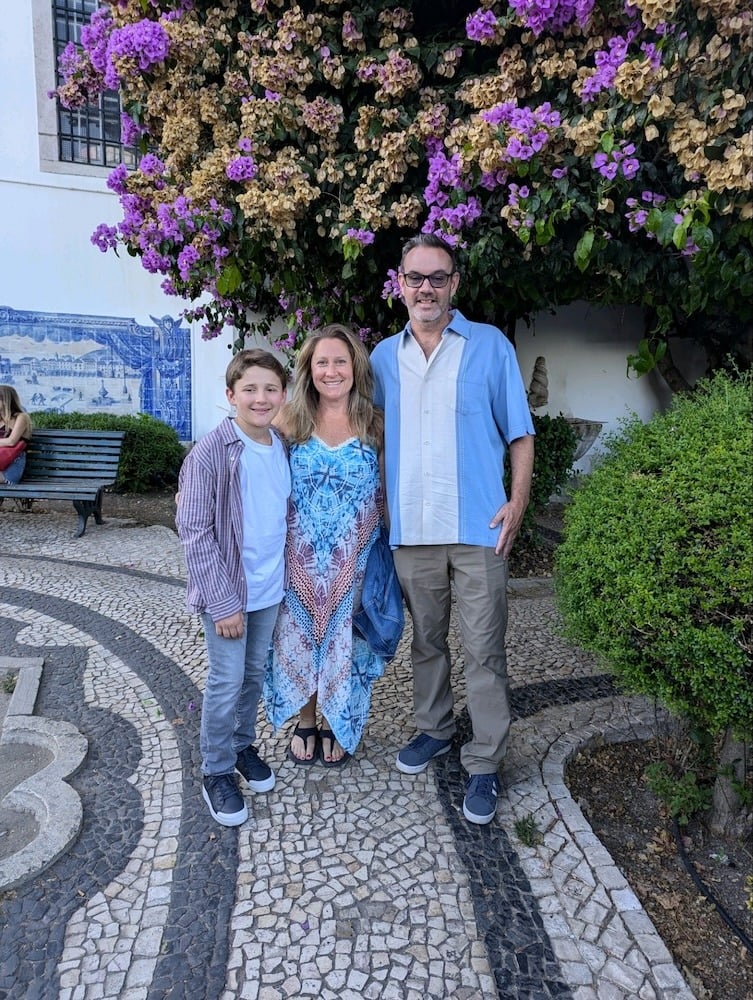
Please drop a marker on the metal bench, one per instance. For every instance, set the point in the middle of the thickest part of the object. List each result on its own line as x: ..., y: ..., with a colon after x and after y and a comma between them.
x: 69, y: 465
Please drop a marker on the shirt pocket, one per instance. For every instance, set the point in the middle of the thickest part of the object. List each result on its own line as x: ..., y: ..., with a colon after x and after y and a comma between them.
x: 471, y: 398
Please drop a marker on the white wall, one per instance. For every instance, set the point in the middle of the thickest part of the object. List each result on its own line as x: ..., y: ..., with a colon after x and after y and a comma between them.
x: 586, y: 349
x: 47, y: 261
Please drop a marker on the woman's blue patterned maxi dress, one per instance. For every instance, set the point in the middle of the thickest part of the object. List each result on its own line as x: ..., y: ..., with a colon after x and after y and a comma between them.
x: 335, y: 511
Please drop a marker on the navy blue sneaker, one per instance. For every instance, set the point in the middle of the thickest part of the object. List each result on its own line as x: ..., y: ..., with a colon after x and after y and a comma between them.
x: 480, y: 802
x: 414, y: 758
x: 259, y: 776
x: 224, y: 800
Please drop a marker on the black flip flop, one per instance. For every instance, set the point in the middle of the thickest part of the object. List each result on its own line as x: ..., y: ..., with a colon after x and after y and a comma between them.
x: 305, y: 735
x: 327, y: 734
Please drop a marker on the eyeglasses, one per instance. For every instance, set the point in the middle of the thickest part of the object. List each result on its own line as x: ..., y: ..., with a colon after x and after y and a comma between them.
x: 437, y: 280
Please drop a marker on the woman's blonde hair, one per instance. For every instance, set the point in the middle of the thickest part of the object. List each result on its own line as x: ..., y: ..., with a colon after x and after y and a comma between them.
x: 299, y: 415
x: 10, y: 405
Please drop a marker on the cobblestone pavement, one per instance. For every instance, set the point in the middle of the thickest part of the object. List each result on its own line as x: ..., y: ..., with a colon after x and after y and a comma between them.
x: 362, y: 882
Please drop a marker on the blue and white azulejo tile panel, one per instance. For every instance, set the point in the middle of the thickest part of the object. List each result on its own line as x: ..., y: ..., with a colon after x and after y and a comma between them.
x: 67, y: 362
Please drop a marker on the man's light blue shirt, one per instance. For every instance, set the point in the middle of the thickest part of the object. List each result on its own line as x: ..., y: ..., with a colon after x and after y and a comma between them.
x: 448, y: 420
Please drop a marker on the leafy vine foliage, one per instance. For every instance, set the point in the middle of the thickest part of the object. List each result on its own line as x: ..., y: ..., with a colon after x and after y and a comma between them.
x: 578, y: 149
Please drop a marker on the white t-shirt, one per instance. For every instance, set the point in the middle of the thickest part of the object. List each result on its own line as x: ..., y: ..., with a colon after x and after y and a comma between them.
x: 265, y: 488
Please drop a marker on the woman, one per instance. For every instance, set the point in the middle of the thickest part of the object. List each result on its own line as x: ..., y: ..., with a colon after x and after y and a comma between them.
x: 316, y: 662
x: 15, y: 426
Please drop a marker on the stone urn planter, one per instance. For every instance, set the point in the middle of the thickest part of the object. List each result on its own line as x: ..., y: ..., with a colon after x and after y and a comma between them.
x: 586, y: 432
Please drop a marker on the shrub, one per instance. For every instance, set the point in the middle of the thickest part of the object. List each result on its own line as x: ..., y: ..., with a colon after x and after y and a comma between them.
x: 552, y: 461
x: 152, y: 453
x: 655, y: 572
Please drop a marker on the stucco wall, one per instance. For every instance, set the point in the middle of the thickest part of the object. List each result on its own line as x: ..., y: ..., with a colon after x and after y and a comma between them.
x: 586, y: 349
x: 47, y: 262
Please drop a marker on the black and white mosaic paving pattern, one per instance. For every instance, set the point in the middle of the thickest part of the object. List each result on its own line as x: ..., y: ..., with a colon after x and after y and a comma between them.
x: 358, y: 882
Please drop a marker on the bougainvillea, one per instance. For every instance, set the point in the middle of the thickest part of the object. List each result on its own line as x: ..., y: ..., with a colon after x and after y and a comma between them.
x: 569, y: 149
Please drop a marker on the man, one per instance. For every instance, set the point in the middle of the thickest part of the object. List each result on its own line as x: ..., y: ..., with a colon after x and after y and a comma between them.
x: 454, y: 401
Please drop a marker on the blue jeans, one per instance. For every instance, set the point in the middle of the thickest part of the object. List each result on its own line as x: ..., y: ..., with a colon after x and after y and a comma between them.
x: 16, y: 469
x: 231, y: 696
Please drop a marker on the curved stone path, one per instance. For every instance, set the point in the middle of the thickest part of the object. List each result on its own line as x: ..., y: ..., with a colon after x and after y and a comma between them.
x: 342, y: 884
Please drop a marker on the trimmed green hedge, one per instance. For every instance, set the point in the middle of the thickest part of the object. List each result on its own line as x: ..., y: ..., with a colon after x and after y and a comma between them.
x: 552, y: 461
x: 655, y: 572
x: 152, y: 453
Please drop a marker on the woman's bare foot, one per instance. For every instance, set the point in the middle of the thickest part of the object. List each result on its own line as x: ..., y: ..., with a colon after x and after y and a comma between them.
x: 303, y: 745
x: 332, y: 752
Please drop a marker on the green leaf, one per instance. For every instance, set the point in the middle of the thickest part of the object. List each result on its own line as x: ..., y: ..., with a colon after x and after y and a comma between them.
x: 680, y: 234
x: 230, y: 279
x: 583, y: 250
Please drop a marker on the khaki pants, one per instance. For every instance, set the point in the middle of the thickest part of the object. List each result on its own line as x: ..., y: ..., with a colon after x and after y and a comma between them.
x: 426, y: 573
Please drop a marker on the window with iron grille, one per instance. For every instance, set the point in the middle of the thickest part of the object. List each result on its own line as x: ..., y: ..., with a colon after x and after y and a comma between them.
x: 91, y: 134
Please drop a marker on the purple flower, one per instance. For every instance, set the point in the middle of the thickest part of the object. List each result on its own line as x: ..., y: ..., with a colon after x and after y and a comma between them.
x: 285, y: 342
x: 539, y: 140
x: 364, y: 236
x: 146, y: 42
x: 652, y: 53
x: 151, y: 165
x: 490, y: 181
x: 242, y: 168
x: 499, y: 113
x: 442, y: 173
x: 516, y: 150
x: 155, y: 262
x: 636, y: 219
x: 618, y: 159
x: 184, y: 211
x: 94, y: 38
x: 130, y: 131
x: 117, y: 179
x: 552, y: 15
x: 351, y: 32
x: 245, y: 145
x: 170, y: 228
x: 607, y: 64
x: 559, y: 172
x: 105, y: 237
x: 186, y: 259
x: 481, y: 26
x: 69, y: 60
x: 133, y: 215
x: 391, y: 287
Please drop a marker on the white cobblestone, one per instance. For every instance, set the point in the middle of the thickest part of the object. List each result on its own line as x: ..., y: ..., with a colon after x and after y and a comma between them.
x: 350, y: 883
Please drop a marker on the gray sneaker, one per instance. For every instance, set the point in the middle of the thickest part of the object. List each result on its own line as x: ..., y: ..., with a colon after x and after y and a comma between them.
x: 225, y: 802
x: 415, y: 757
x: 259, y: 776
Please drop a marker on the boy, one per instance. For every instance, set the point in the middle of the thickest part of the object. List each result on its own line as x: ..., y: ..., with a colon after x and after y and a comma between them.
x: 232, y: 506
